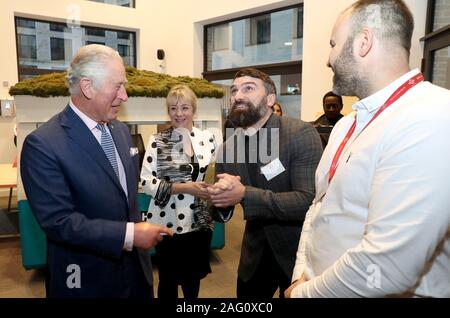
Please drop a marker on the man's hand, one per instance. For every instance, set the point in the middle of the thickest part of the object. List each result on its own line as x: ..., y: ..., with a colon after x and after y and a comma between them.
x: 198, y: 189
x: 227, y: 191
x: 287, y: 292
x: 147, y: 235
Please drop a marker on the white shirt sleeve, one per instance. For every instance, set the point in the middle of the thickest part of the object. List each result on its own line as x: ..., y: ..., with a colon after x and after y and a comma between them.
x: 300, y: 262
x: 407, y: 219
x: 129, y: 237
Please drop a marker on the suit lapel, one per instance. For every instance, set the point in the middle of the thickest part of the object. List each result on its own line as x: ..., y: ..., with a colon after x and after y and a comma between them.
x: 83, y: 137
x: 265, y: 141
x: 241, y: 167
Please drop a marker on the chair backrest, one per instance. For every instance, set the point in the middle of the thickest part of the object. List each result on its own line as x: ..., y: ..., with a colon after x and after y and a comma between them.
x: 33, y: 239
x: 218, y: 238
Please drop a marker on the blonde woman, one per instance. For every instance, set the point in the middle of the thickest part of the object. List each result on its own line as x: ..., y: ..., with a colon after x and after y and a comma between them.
x: 173, y: 171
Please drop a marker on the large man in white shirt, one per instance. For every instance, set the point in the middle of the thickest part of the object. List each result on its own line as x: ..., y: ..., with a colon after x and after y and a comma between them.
x: 379, y: 224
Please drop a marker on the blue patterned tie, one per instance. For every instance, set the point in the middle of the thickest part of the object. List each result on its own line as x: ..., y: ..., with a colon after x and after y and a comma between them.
x: 108, y: 147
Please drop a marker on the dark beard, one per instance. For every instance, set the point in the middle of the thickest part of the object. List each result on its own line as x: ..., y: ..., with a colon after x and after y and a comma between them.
x: 248, y: 117
x: 347, y: 81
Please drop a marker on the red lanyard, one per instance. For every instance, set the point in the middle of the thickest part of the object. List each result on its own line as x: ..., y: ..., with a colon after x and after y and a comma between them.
x: 394, y: 97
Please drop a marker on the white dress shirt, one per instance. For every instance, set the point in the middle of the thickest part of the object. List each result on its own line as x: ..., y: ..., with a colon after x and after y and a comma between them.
x: 91, y: 124
x: 381, y: 227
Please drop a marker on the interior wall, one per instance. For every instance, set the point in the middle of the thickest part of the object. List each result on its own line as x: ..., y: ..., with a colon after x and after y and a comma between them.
x: 177, y: 27
x: 319, y: 18
x: 173, y: 25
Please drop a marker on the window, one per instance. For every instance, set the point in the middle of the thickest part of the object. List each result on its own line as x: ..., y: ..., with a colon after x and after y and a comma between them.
x: 27, y: 46
x: 57, y: 49
x: 258, y: 30
x: 49, y: 46
x: 221, y: 37
x: 124, y: 50
x: 441, y: 67
x: 59, y: 27
x: 95, y: 32
x: 94, y: 42
x: 298, y: 25
x: 436, y: 55
x: 441, y: 15
x: 22, y: 23
x: 123, y: 35
x: 122, y: 3
x: 270, y: 41
x: 267, y: 38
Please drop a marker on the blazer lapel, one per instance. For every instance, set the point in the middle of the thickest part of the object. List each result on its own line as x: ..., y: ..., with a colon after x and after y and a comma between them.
x: 241, y: 167
x: 265, y: 135
x: 83, y: 137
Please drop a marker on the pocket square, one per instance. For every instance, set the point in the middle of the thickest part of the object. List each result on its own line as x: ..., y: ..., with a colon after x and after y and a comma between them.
x: 134, y: 151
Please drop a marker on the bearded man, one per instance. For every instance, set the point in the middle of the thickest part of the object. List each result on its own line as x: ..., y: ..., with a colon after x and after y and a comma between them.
x: 268, y: 167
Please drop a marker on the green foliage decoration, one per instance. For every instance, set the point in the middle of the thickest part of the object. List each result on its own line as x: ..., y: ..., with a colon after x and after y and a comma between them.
x: 140, y: 83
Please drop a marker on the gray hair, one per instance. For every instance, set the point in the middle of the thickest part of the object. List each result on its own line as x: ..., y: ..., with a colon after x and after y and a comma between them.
x: 89, y: 62
x: 391, y: 19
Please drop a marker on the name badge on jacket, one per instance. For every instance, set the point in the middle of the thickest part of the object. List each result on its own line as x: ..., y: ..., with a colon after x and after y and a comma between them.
x: 273, y: 169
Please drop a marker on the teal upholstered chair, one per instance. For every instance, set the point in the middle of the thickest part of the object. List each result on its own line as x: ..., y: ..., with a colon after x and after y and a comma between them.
x: 218, y: 239
x: 34, y: 243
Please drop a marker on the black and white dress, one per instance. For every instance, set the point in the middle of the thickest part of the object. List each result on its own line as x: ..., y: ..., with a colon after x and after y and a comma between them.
x: 187, y: 253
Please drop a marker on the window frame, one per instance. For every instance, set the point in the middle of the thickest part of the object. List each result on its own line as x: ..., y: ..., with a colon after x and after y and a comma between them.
x: 36, y: 71
x: 290, y: 67
x: 254, y: 27
x: 52, y: 52
x: 94, y: 31
x: 433, y: 41
x: 35, y: 46
x: 132, y: 2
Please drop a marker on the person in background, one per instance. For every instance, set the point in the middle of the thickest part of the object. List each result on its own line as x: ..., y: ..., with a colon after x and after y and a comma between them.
x: 274, y: 190
x: 332, y: 107
x: 380, y: 224
x: 277, y: 109
x: 81, y: 182
x: 174, y: 168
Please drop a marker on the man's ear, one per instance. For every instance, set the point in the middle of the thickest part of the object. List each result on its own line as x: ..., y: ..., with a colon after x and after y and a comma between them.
x: 365, y: 42
x: 86, y: 87
x: 271, y: 99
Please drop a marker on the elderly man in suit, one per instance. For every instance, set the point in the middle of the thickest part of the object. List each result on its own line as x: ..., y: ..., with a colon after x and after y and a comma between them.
x: 271, y: 176
x: 80, y: 177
